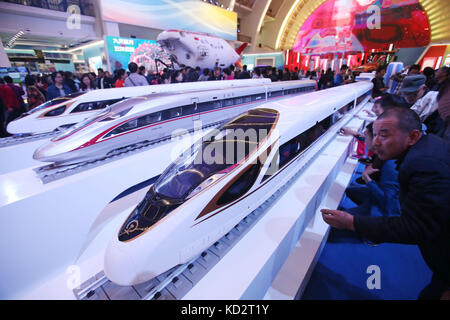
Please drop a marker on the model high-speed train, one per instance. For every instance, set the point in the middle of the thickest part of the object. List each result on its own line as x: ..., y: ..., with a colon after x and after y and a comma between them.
x: 73, y: 108
x: 196, y: 201
x: 156, y: 117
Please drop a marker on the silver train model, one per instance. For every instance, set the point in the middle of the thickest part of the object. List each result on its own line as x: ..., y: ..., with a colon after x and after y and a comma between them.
x: 157, y: 116
x: 66, y: 111
x: 196, y: 201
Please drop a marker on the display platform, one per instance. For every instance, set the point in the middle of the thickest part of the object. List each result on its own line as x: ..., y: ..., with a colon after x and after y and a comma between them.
x: 271, y: 266
x: 19, y: 156
x: 79, y: 230
x: 68, y: 211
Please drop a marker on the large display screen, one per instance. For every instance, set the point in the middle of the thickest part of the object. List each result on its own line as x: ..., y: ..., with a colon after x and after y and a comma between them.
x: 190, y: 15
x: 361, y: 25
x: 122, y: 51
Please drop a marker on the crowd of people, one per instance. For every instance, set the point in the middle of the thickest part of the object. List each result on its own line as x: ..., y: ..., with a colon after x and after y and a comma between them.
x: 16, y: 99
x: 403, y: 194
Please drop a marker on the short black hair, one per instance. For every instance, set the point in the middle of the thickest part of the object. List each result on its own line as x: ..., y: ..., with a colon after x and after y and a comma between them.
x: 415, y: 66
x: 344, y: 67
x: 133, y: 67
x: 446, y: 70
x: 8, y: 79
x: 55, y: 73
x: 381, y: 68
x: 100, y: 69
x: 407, y: 119
x: 388, y: 101
x: 30, y: 80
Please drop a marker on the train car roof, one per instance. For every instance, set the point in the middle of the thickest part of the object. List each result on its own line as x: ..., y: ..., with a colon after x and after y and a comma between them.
x: 141, y: 102
x: 299, y: 113
x: 117, y: 93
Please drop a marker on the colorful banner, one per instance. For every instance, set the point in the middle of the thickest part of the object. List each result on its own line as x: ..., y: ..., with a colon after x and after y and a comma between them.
x: 190, y: 15
x: 122, y: 51
x: 361, y: 25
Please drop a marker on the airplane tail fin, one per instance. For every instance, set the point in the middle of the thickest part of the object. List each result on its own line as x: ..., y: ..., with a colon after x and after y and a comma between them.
x: 241, y: 48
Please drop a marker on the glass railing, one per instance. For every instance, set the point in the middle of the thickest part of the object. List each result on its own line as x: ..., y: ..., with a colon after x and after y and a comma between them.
x: 86, y: 6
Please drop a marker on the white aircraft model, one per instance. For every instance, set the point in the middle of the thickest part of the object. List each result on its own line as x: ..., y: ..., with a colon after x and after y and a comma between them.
x: 198, y: 49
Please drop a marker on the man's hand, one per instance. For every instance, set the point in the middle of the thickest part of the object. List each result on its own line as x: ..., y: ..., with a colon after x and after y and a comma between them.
x: 367, y: 172
x: 348, y: 131
x: 338, y: 219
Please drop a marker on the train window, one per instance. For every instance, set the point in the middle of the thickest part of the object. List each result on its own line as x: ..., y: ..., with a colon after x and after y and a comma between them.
x: 175, y: 112
x: 277, y: 93
x: 116, y: 115
x: 361, y: 97
x: 147, y: 213
x: 294, y: 147
x: 216, y: 104
x: 273, y: 167
x: 148, y: 119
x: 238, y: 100
x: 205, y: 106
x: 289, y: 151
x: 127, y: 126
x: 171, y: 113
x: 94, y: 105
x: 189, y: 109
x: 55, y: 102
x: 241, y: 185
x: 228, y: 102
x: 257, y: 97
x: 55, y: 112
x: 193, y: 169
x: 247, y: 99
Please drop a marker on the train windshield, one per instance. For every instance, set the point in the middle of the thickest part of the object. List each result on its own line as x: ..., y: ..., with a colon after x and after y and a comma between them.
x: 83, y: 123
x: 215, y: 155
x: 55, y: 102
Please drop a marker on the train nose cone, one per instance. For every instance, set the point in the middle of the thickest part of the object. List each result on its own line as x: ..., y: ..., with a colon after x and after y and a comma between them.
x: 119, y: 266
x: 45, y: 153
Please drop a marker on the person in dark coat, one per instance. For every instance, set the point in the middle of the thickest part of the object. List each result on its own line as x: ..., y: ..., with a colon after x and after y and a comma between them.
x: 58, y: 88
x: 378, y: 82
x: 102, y: 81
x: 423, y: 163
x: 244, y: 74
x: 2, y: 119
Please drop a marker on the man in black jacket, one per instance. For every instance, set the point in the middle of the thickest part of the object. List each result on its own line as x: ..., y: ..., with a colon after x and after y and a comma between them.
x: 423, y: 164
x: 103, y: 82
x: 244, y: 74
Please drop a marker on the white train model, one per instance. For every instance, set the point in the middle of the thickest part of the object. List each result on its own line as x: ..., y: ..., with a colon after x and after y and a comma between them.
x: 73, y: 108
x: 157, y: 116
x: 195, y: 202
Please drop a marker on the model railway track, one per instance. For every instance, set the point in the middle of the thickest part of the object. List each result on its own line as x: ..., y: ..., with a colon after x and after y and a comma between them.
x: 176, y: 282
x: 15, y: 140
x: 53, y: 172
